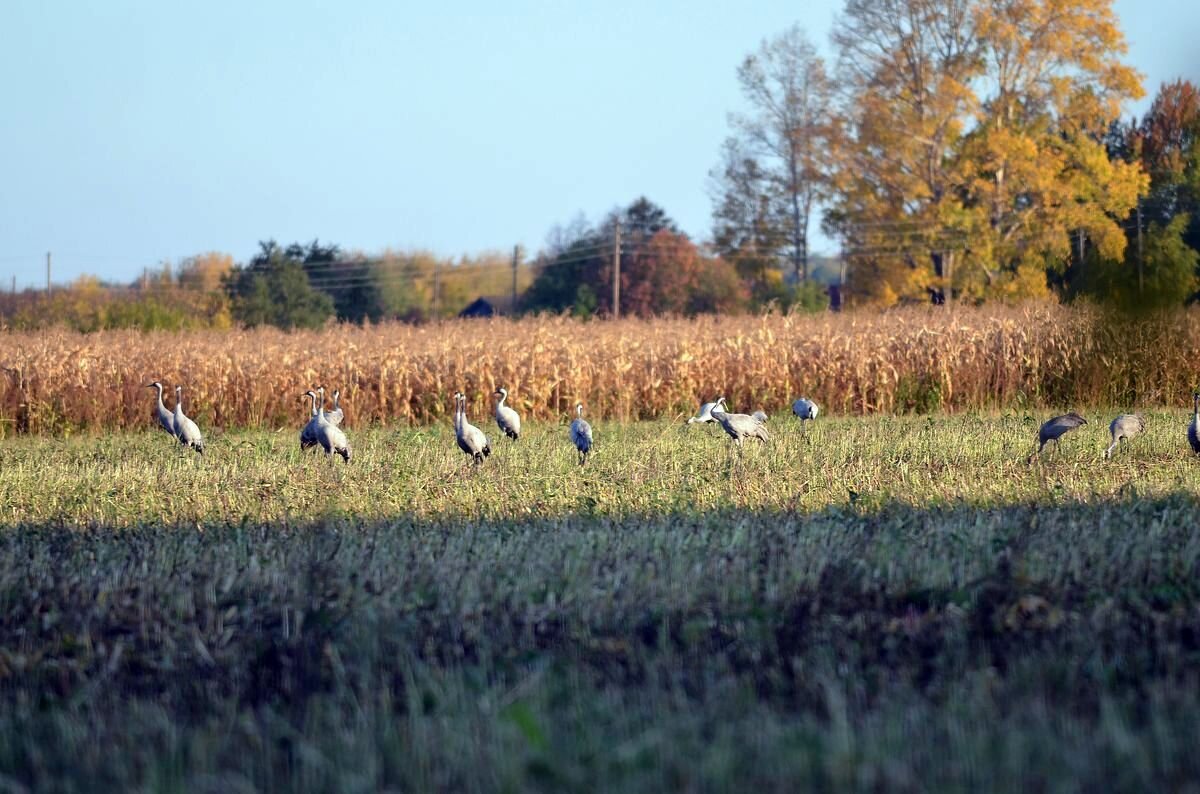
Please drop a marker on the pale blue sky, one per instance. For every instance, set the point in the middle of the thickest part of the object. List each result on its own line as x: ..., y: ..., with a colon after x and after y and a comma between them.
x: 137, y: 132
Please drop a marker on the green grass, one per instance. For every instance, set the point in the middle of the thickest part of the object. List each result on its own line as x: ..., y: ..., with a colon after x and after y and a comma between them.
x: 887, y: 603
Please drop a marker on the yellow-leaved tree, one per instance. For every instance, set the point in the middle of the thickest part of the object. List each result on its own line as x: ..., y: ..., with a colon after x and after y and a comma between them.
x: 970, y: 147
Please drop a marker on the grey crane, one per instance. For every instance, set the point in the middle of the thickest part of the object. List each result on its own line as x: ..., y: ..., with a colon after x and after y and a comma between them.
x: 1194, y: 427
x: 705, y: 414
x: 1123, y: 428
x: 308, y: 433
x: 759, y: 416
x: 739, y: 426
x: 185, y: 429
x: 1056, y: 428
x: 508, y: 419
x: 580, y: 434
x: 805, y: 408
x: 471, y: 439
x: 330, y: 436
x: 165, y: 418
x: 335, y: 416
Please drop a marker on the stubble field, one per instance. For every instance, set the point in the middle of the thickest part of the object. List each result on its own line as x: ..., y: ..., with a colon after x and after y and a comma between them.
x: 896, y: 603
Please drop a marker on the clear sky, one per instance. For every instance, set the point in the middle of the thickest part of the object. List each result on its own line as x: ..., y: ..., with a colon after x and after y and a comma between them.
x: 137, y: 132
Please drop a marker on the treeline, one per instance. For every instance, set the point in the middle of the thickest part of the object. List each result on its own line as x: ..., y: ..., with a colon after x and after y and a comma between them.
x: 662, y: 271
x: 293, y: 286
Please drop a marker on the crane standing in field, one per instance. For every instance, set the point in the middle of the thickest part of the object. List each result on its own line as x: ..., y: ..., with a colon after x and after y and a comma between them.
x: 1123, y: 428
x: 1194, y: 427
x: 580, y: 434
x: 1056, y: 428
x: 335, y: 416
x: 329, y: 435
x: 471, y: 439
x: 185, y: 429
x: 739, y: 426
x: 508, y: 420
x: 308, y: 433
x: 165, y: 418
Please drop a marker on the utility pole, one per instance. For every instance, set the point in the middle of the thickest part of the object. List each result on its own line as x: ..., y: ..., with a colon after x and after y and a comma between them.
x: 1081, y: 251
x: 436, y: 300
x: 616, y: 300
x: 14, y: 285
x: 1139, y: 232
x: 47, y: 271
x: 145, y: 279
x: 516, y: 262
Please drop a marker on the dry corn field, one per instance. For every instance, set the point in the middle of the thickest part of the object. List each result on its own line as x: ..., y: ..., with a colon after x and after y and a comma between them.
x: 910, y: 360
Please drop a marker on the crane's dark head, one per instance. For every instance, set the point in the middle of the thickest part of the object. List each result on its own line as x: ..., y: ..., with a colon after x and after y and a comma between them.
x: 579, y: 409
x: 336, y: 393
x: 309, y: 394
x: 155, y: 385
x: 178, y: 389
x: 503, y: 392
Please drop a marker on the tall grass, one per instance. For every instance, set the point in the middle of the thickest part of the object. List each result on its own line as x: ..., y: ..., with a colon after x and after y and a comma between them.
x: 910, y: 360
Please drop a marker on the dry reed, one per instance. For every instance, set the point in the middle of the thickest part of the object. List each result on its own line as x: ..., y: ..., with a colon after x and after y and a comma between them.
x: 915, y: 359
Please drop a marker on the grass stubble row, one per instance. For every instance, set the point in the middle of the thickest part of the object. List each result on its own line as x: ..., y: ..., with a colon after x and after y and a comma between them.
x: 908, y: 360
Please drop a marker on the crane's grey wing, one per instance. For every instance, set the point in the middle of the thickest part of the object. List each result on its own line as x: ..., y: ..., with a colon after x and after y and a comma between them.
x: 335, y: 416
x: 508, y: 421
x: 581, y: 435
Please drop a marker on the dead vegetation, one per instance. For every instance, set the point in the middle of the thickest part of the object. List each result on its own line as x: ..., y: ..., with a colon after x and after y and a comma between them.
x: 911, y: 360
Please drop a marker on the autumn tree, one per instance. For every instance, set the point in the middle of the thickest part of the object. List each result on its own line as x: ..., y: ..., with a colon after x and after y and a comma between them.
x: 576, y: 273
x: 970, y: 148
x: 274, y: 289
x: 1159, y: 267
x: 768, y: 183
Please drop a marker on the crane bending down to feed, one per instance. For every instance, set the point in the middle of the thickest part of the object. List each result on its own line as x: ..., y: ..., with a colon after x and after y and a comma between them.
x: 308, y: 433
x: 1123, y: 428
x: 471, y: 439
x: 805, y: 409
x: 185, y: 429
x: 581, y: 434
x: 165, y: 418
x: 508, y: 419
x: 1194, y: 427
x: 739, y: 426
x: 1056, y: 428
x: 330, y: 436
x: 705, y: 414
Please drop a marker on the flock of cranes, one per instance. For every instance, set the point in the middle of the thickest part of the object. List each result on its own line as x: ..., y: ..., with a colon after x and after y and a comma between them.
x: 324, y: 427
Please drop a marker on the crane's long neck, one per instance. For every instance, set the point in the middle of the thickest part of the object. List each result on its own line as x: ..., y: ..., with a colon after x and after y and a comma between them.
x: 178, y: 402
x: 1196, y: 408
x: 312, y: 401
x: 503, y: 397
x: 161, y: 407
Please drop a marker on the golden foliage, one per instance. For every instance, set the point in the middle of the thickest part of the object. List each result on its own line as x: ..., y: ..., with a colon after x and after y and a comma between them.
x: 917, y: 358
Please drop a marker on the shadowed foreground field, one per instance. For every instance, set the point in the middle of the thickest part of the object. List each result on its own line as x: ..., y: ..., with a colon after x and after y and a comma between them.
x: 890, y: 603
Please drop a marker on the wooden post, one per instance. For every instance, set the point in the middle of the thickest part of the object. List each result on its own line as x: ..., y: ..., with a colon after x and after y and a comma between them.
x: 515, y: 262
x: 616, y: 298
x: 47, y: 271
x: 1139, y: 233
